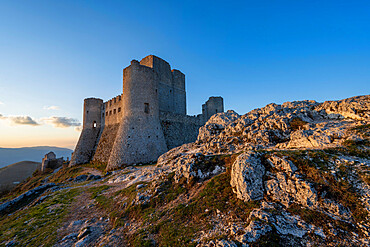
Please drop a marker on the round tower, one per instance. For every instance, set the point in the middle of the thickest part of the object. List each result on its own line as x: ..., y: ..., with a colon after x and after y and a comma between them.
x: 92, y: 123
x: 140, y: 137
x: 92, y: 118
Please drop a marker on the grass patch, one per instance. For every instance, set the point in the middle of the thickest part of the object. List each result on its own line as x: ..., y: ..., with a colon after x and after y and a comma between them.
x: 101, y: 166
x: 39, y: 223
x: 103, y: 201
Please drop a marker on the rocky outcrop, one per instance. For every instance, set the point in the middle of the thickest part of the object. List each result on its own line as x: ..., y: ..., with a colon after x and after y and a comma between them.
x: 299, y: 124
x: 246, y: 177
x: 357, y: 108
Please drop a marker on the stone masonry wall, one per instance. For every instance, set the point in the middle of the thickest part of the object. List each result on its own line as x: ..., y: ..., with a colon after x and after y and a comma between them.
x: 106, y: 142
x: 113, y: 110
x: 179, y: 129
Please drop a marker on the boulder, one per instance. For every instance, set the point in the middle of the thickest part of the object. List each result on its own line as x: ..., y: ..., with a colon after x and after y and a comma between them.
x: 246, y: 177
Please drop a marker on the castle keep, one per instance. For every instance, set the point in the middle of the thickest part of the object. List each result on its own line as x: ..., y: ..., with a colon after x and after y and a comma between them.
x: 143, y: 122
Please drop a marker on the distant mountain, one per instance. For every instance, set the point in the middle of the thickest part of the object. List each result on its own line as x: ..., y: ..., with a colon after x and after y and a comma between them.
x: 12, y: 155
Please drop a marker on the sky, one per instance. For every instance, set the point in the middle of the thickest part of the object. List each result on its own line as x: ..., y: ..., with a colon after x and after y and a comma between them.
x: 53, y: 54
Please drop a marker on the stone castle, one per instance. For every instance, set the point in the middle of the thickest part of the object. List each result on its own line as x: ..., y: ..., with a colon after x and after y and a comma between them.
x: 145, y: 121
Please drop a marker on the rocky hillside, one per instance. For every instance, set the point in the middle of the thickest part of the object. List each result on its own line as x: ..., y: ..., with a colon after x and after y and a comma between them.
x: 296, y: 174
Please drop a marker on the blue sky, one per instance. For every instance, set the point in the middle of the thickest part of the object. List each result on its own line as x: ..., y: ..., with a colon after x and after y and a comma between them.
x: 53, y: 54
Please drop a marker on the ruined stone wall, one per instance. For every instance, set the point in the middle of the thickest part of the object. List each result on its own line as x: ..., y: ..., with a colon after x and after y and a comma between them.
x: 179, y: 129
x: 212, y: 106
x: 106, y: 142
x: 113, y: 110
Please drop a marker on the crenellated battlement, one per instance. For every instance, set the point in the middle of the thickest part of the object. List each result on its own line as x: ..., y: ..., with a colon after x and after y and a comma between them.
x: 113, y: 110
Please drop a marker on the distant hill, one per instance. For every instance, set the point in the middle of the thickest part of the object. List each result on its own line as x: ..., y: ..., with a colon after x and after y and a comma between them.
x: 12, y: 155
x: 15, y: 173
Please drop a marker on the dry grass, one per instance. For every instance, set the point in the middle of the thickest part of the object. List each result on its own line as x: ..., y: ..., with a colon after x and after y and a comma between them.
x: 17, y: 172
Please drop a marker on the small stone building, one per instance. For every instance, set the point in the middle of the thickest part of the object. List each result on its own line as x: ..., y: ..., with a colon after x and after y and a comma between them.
x: 50, y: 161
x: 143, y: 122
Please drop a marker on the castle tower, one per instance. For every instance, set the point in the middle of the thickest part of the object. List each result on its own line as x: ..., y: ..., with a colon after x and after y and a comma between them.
x: 171, y: 85
x: 139, y: 137
x: 92, y: 123
x: 213, y: 106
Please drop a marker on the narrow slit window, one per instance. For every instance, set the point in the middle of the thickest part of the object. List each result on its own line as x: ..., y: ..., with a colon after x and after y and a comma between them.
x: 146, y: 107
x: 119, y: 109
x: 94, y: 124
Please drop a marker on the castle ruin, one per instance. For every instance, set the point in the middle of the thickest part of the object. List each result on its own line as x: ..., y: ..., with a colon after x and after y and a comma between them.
x: 145, y: 121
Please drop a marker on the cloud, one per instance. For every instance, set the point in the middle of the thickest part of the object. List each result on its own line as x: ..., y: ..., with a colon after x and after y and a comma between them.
x: 52, y: 107
x: 61, y: 122
x: 78, y: 128
x: 1, y: 103
x: 20, y: 120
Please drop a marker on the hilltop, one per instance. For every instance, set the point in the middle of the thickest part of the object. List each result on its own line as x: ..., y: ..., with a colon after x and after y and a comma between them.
x: 295, y: 174
x: 16, y: 173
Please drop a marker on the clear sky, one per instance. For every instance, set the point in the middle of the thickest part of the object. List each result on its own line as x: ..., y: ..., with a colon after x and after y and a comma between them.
x: 53, y: 54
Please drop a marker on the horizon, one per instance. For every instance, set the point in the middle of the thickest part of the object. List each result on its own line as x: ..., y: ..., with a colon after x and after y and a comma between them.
x: 55, y: 54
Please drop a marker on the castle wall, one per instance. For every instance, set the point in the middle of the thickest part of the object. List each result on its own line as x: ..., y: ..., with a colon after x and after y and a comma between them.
x: 113, y: 110
x: 142, y: 123
x: 139, y: 137
x: 92, y: 123
x: 106, y: 142
x: 179, y: 129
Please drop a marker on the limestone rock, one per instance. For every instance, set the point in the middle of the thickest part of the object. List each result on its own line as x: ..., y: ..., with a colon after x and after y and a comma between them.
x: 288, y: 190
x: 24, y: 199
x: 282, y: 164
x: 298, y: 124
x: 357, y: 107
x: 284, y: 223
x: 254, y: 231
x: 246, y: 177
x: 219, y: 243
